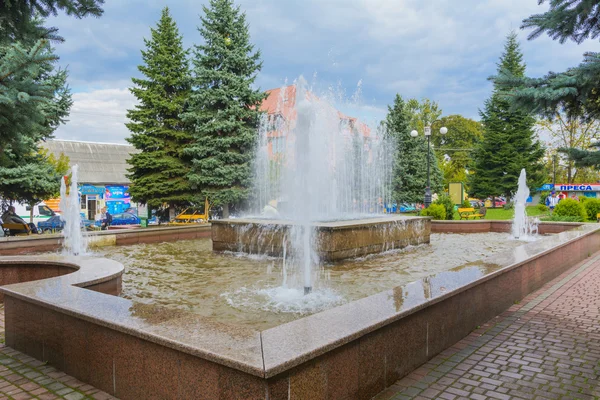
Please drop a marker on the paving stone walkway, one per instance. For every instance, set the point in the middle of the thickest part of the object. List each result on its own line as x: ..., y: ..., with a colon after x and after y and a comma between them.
x: 545, y: 347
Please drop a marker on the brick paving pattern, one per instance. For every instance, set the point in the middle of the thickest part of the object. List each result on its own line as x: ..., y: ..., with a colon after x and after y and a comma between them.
x: 545, y: 347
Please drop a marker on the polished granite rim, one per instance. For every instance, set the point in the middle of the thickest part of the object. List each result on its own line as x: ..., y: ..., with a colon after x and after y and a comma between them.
x: 272, y: 351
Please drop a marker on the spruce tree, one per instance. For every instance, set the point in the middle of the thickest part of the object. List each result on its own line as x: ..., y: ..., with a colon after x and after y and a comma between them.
x: 409, y: 177
x: 575, y: 92
x: 159, y: 171
x: 509, y: 141
x: 34, y: 96
x: 224, y: 108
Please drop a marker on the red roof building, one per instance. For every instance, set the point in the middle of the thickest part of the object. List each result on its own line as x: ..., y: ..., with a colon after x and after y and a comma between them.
x: 280, y: 107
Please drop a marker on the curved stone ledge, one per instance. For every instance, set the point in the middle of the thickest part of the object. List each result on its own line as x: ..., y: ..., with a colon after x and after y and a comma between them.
x: 133, y: 351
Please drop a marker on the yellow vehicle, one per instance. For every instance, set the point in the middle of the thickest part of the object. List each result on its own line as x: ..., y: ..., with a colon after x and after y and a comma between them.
x: 191, y: 216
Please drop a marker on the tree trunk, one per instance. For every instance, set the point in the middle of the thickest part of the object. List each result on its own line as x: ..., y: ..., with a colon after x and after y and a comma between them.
x: 226, y: 210
x: 31, y: 213
x: 172, y: 213
x: 570, y: 167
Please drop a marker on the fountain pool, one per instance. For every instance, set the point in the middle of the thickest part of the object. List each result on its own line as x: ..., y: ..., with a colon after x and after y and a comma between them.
x: 238, y: 289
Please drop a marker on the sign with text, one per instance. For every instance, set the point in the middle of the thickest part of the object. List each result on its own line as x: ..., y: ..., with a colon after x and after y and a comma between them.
x: 577, y: 187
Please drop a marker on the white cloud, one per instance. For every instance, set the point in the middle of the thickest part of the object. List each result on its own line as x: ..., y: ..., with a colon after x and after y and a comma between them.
x: 444, y: 50
x: 98, y: 116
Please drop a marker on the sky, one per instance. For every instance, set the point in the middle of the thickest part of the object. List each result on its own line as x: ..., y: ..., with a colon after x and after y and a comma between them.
x: 367, y: 50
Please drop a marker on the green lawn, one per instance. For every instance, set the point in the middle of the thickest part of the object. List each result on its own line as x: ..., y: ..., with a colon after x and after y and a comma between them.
x: 501, y: 213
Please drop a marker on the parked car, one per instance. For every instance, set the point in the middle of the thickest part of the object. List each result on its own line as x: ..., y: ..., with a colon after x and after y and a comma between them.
x: 56, y: 224
x: 125, y: 219
x: 52, y: 224
x: 476, y: 203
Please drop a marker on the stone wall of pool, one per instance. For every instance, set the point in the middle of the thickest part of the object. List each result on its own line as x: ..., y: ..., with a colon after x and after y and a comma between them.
x: 354, y: 351
x: 53, y: 242
x: 334, y: 240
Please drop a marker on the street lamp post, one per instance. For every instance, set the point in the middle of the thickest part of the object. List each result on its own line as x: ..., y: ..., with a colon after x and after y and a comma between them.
x: 554, y: 162
x: 414, y: 133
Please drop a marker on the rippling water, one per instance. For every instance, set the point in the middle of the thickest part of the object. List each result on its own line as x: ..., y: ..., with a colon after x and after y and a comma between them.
x: 236, y: 289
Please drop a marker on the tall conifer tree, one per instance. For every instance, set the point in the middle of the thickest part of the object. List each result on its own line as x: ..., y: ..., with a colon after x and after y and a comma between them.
x: 410, y: 165
x: 224, y: 108
x: 509, y: 141
x: 159, y: 171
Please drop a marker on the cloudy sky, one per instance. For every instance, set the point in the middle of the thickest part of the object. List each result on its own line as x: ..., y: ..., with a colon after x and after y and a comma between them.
x: 368, y: 49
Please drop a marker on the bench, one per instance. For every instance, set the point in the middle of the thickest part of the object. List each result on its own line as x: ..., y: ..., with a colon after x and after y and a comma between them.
x: 469, y: 213
x: 14, y: 229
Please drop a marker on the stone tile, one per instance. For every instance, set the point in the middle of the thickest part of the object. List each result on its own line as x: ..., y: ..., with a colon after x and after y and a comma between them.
x: 234, y: 384
x: 198, y: 378
x: 309, y: 380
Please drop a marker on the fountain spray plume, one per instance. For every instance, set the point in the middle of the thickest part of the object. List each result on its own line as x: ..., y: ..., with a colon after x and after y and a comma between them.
x: 73, y: 243
x: 319, y: 165
x: 522, y: 228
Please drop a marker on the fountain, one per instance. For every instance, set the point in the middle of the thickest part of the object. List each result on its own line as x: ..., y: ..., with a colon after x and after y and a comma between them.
x: 523, y: 228
x: 329, y: 175
x: 74, y: 243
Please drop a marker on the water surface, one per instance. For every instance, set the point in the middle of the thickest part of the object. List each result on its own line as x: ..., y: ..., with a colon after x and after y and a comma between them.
x: 234, y: 288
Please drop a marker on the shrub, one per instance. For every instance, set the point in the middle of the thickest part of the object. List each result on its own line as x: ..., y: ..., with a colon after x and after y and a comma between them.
x: 509, y: 206
x: 570, y: 208
x: 542, y: 207
x: 437, y: 211
x: 543, y: 196
x: 466, y: 204
x: 557, y: 218
x: 592, y: 208
x: 445, y: 201
x: 583, y: 199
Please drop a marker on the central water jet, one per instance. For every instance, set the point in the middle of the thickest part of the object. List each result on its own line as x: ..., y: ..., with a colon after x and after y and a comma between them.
x: 323, y: 180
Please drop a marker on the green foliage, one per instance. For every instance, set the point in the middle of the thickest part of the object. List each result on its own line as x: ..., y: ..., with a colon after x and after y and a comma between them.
x: 583, y: 199
x: 36, y: 180
x: 570, y: 208
x: 575, y: 92
x: 592, y: 208
x: 466, y: 204
x: 509, y: 141
x: 34, y: 96
x: 159, y: 171
x: 543, y: 196
x: 567, y: 19
x: 34, y: 100
x: 559, y: 218
x: 16, y: 15
x: 463, y: 135
x: 446, y: 201
x: 410, y: 164
x: 437, y: 211
x: 542, y: 207
x: 224, y: 110
x: 509, y: 206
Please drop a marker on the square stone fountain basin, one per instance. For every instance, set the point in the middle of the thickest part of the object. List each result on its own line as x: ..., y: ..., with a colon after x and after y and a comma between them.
x: 334, y: 240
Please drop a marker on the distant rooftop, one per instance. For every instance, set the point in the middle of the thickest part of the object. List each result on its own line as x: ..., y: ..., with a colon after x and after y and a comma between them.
x: 99, y: 163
